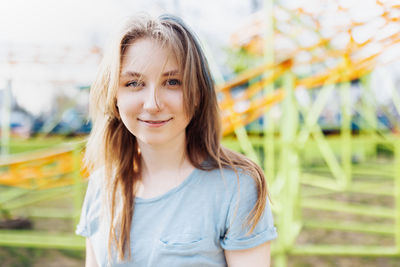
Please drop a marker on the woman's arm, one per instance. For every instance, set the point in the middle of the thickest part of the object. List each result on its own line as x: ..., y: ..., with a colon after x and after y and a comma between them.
x: 259, y: 256
x: 90, y: 258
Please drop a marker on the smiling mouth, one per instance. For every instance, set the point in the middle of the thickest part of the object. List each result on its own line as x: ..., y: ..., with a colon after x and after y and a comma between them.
x: 155, y: 122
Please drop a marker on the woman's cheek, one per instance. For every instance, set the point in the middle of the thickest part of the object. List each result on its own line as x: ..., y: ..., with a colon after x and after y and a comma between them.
x: 128, y: 103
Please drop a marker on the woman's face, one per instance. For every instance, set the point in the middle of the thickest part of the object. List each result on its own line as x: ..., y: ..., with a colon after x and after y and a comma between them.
x: 150, y: 94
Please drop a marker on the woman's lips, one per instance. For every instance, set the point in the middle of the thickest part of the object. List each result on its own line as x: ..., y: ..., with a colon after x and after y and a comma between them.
x: 155, y: 123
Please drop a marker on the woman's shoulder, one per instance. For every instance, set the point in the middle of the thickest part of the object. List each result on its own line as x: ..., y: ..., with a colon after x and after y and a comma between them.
x: 240, y: 172
x: 96, y: 180
x: 230, y: 178
x: 98, y: 174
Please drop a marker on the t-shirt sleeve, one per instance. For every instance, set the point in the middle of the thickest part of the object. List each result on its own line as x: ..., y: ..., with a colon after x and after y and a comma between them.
x: 88, y: 219
x: 240, y: 205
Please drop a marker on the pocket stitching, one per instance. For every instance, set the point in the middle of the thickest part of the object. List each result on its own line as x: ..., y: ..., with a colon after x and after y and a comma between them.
x: 177, y: 244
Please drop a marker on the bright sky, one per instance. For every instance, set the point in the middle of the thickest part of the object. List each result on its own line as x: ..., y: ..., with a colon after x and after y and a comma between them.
x: 69, y: 21
x: 61, y: 21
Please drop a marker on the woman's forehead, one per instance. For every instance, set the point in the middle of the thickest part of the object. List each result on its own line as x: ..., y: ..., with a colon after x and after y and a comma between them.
x: 147, y: 53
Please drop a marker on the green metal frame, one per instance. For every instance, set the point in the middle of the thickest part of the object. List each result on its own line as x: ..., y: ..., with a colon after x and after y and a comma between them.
x: 13, y: 199
x: 335, y: 174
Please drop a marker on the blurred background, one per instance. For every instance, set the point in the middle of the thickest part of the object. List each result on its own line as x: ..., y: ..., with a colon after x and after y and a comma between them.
x: 310, y: 90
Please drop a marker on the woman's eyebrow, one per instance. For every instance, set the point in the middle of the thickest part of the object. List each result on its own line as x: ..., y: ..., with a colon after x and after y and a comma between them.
x: 171, y: 73
x: 137, y: 74
x: 131, y: 74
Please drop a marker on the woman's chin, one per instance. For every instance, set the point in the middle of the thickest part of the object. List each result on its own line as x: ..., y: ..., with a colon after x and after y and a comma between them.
x: 154, y: 142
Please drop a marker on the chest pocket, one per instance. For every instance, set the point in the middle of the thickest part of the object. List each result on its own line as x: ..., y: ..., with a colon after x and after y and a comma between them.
x: 184, y: 244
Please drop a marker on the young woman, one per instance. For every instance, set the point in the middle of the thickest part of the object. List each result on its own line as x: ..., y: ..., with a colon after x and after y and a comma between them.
x: 163, y: 191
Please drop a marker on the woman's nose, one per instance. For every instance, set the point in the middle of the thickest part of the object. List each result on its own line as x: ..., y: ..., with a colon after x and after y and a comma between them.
x: 151, y: 102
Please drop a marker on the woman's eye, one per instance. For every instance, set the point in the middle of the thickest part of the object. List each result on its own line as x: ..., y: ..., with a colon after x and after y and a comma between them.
x: 134, y: 84
x: 173, y: 82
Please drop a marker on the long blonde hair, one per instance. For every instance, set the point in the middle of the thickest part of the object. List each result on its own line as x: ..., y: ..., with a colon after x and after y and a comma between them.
x: 112, y: 147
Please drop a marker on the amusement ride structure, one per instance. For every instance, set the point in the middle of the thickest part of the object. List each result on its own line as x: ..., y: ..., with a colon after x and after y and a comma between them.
x: 309, y: 53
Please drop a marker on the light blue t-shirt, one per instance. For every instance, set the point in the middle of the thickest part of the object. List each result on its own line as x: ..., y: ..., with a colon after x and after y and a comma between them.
x: 186, y: 226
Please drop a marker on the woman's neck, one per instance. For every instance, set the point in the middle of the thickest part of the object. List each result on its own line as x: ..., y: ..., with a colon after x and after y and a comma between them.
x: 166, y: 158
x: 164, y: 167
